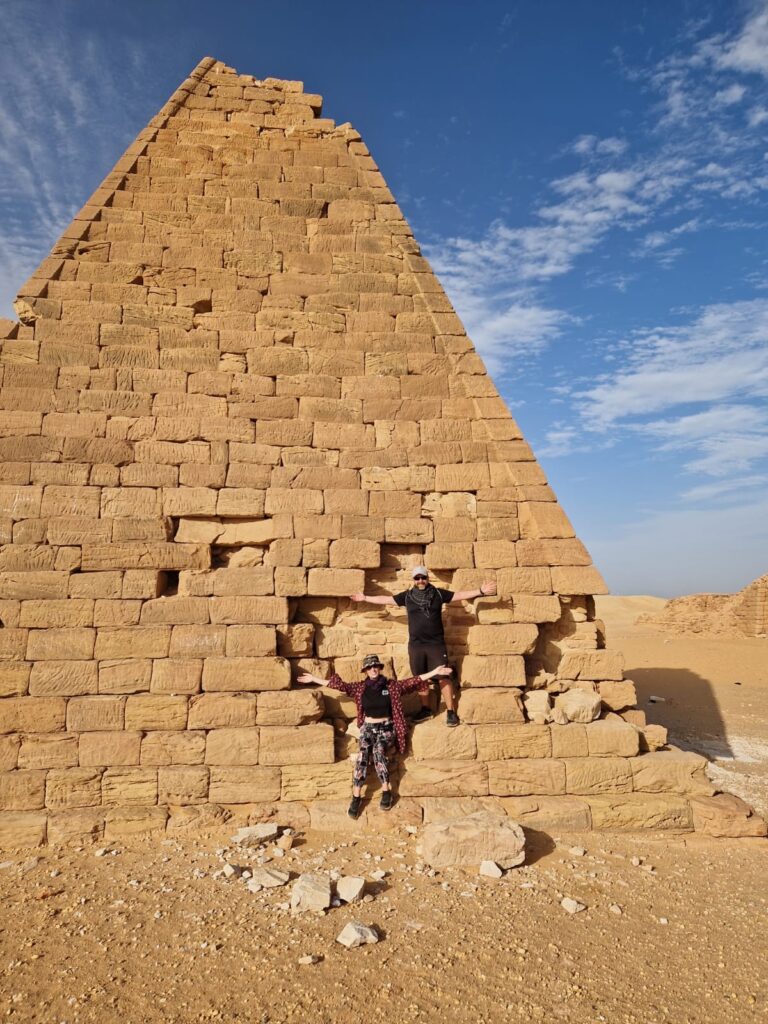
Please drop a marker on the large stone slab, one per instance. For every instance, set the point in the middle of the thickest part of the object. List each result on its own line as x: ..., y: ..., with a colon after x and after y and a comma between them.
x: 468, y: 841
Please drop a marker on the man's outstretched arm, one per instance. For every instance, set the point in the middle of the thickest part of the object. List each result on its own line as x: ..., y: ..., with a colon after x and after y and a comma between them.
x: 487, y: 589
x: 381, y: 599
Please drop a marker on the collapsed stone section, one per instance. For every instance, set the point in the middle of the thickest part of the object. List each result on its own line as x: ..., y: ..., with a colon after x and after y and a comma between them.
x: 236, y: 393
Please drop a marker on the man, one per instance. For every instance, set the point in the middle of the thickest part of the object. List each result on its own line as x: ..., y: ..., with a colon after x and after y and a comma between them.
x: 426, y: 640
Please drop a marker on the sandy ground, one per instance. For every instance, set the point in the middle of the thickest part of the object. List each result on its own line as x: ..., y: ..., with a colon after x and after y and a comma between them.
x: 674, y: 928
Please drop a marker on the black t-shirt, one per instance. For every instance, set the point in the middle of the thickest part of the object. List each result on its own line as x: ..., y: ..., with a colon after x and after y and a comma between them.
x: 425, y: 625
x: 377, y: 702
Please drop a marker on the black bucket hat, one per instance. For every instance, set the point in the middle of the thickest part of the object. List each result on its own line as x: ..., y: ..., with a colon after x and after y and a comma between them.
x: 371, y: 661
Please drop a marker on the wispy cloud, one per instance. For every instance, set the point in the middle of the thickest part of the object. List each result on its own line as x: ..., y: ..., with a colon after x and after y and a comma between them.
x: 61, y: 125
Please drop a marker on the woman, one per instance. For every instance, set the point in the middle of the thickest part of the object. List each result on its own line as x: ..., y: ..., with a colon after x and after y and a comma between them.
x: 381, y: 720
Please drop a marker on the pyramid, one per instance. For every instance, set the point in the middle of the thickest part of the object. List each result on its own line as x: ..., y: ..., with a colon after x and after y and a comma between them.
x: 236, y: 393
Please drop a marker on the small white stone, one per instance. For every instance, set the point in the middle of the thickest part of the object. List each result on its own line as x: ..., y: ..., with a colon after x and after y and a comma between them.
x: 309, y: 959
x: 572, y: 906
x: 663, y: 920
x: 355, y: 933
x: 378, y: 876
x: 615, y: 909
x: 490, y: 869
x: 230, y: 871
x: 577, y: 851
x: 101, y: 852
x: 350, y: 888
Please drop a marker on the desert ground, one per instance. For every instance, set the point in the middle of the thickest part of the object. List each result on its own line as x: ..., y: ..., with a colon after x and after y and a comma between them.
x: 673, y: 927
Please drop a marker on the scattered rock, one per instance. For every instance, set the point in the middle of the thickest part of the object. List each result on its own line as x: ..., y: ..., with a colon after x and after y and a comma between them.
x: 490, y: 869
x: 285, y: 842
x: 350, y: 888
x: 473, y: 839
x: 309, y: 959
x: 255, y: 835
x: 579, y: 705
x: 231, y: 871
x: 379, y: 875
x: 577, y: 851
x: 311, y: 892
x: 357, y: 934
x: 615, y: 909
x: 572, y: 906
x: 269, y: 878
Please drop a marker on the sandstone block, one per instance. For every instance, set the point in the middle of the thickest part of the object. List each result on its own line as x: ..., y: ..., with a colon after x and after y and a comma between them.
x: 176, y: 675
x: 543, y: 519
x: 512, y: 638
x: 294, y: 707
x: 163, y: 748
x: 634, y: 811
x: 200, y: 641
x: 448, y: 556
x: 432, y: 741
x: 222, y: 711
x: 63, y: 678
x: 652, y: 737
x: 143, y: 583
x: 32, y: 714
x: 671, y: 771
x: 335, y: 582
x: 122, y: 787
x: 569, y: 740
x: 232, y: 746
x: 596, y: 775
x: 124, y: 675
x: 577, y: 705
x: 128, y: 821
x: 591, y: 665
x: 242, y: 610
x: 293, y: 745
x: 73, y: 787
x: 726, y: 816
x: 14, y: 678
x: 549, y: 813
x: 492, y: 670
x: 75, y: 825
x: 249, y: 641
x: 354, y: 554
x: 617, y: 695
x: 316, y: 781
x: 537, y: 706
x: 155, y: 711
x: 612, y: 736
x: 71, y: 643
x: 412, y: 531
x: 9, y: 752
x: 444, y: 778
x: 53, y: 613
x: 135, y: 642
x: 182, y: 785
x: 250, y: 674
x: 101, y: 749
x: 244, y: 785
x: 577, y: 580
x: 472, y: 839
x: 495, y: 554
x: 173, y: 556
x: 22, y: 830
x: 48, y: 750
x: 22, y: 790
x: 530, y: 777
x: 502, y: 741
x: 487, y: 705
x: 95, y: 714
x: 296, y: 641
x: 175, y: 611
x: 462, y: 477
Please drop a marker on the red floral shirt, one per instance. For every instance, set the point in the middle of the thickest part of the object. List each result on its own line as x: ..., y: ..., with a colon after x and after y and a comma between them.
x: 397, y: 687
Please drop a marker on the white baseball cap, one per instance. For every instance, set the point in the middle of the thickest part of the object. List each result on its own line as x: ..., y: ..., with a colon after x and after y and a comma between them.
x: 419, y: 571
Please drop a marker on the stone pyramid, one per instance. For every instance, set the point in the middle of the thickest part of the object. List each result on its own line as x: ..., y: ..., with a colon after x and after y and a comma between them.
x: 236, y: 394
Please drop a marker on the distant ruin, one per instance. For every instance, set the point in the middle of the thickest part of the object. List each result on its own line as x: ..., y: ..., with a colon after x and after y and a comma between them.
x: 237, y: 393
x: 743, y: 614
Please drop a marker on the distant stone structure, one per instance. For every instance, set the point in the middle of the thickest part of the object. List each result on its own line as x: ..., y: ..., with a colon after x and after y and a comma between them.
x: 236, y: 394
x: 744, y: 614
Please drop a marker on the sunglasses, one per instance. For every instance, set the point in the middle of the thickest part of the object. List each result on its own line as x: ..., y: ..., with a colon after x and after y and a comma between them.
x: 417, y: 578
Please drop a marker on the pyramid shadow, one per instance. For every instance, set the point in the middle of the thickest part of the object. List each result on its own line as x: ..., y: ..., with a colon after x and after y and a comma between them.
x: 689, y: 708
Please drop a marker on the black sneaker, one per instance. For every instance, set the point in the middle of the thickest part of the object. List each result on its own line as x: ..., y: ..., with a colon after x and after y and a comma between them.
x: 422, y: 715
x: 386, y: 800
x: 354, y: 807
x: 451, y: 719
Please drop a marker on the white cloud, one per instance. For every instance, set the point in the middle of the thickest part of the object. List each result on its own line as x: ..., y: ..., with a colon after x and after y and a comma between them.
x: 711, y: 379
x: 749, y: 51
x: 730, y: 95
x: 730, y: 488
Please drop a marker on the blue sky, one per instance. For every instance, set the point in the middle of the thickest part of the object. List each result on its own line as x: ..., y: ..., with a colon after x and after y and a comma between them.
x: 589, y: 180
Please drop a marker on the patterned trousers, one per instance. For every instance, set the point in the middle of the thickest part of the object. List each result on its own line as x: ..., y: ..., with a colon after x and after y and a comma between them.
x: 375, y: 738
